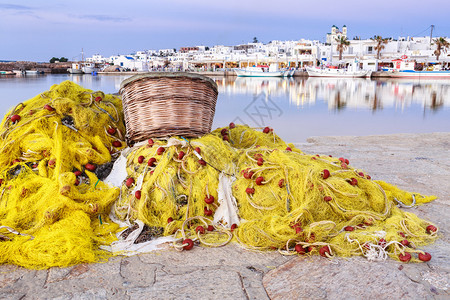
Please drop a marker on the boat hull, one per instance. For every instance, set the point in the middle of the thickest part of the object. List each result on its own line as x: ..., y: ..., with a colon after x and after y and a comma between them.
x: 90, y: 70
x: 75, y: 71
x: 420, y: 74
x: 245, y: 73
x: 7, y: 73
x: 312, y: 72
x: 32, y: 72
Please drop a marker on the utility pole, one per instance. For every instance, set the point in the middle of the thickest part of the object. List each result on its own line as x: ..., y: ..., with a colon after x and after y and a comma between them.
x: 431, y: 34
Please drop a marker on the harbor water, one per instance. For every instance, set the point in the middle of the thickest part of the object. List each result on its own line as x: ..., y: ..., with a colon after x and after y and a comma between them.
x: 297, y: 108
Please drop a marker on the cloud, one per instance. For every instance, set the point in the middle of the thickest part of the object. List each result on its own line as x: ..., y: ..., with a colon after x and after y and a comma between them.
x: 15, y: 7
x: 104, y: 18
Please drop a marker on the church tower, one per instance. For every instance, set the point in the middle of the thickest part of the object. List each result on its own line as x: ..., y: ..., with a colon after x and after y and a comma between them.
x: 333, y: 30
x: 336, y: 34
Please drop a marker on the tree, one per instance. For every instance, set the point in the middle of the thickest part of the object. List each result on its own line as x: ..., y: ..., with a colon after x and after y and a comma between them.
x: 255, y: 40
x: 55, y: 59
x: 380, y: 44
x: 441, y: 46
x: 343, y: 43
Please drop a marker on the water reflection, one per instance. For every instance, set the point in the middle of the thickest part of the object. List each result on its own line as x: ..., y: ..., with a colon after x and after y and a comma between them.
x: 342, y: 94
x: 296, y: 108
x: 92, y: 81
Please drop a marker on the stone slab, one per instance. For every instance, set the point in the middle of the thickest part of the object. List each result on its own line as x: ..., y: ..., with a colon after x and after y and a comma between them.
x: 414, y: 162
x: 418, y: 163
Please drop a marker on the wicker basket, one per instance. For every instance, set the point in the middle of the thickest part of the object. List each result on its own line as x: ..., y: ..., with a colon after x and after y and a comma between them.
x: 162, y: 104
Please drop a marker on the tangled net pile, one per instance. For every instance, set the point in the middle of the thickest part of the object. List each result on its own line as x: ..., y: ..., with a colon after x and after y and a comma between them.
x: 53, y: 208
x: 234, y: 184
x: 286, y: 200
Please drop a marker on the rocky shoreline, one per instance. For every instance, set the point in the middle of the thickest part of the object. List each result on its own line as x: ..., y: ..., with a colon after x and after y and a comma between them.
x: 52, y: 68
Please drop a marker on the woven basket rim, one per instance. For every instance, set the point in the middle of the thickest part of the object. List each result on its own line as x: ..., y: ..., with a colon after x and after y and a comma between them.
x: 168, y: 75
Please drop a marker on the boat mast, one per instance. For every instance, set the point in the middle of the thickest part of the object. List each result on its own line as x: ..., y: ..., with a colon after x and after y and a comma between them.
x: 431, y: 34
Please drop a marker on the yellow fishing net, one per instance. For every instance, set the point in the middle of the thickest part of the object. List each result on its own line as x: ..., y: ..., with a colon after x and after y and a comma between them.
x: 54, y: 208
x: 286, y: 199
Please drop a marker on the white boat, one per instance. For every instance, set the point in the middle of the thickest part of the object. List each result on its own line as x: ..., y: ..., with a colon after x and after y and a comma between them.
x: 260, y: 71
x: 406, y: 69
x: 83, y: 68
x: 7, y: 73
x: 419, y: 74
x: 76, y: 69
x: 352, y: 71
x: 89, y: 68
x: 33, y: 72
x: 344, y: 73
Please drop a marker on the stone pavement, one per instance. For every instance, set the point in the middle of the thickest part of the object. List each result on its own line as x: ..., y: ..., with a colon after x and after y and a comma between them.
x: 415, y: 162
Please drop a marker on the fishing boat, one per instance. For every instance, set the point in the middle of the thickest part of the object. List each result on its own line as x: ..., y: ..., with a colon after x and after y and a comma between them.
x: 260, y: 71
x: 89, y: 68
x: 419, y: 74
x: 343, y: 73
x: 352, y: 71
x: 82, y: 67
x: 33, y: 72
x: 402, y: 68
x: 76, y: 69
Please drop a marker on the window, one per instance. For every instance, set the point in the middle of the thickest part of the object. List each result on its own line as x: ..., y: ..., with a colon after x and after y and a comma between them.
x: 369, y: 49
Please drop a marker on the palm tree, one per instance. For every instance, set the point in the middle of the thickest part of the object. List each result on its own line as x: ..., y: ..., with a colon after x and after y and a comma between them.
x: 380, y: 44
x: 441, y: 46
x: 343, y: 43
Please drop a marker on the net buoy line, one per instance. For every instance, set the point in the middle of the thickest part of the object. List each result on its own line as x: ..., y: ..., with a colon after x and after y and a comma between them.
x: 236, y: 184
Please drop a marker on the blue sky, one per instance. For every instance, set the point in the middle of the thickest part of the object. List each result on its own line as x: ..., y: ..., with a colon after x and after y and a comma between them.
x: 38, y: 30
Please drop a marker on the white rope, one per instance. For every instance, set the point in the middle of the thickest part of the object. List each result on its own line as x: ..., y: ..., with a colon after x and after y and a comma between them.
x: 371, y: 251
x: 16, y: 232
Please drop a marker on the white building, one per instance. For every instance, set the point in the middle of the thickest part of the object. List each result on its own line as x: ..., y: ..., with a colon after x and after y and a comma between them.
x: 293, y: 53
x: 97, y: 58
x: 306, y: 52
x: 166, y: 52
x: 131, y: 62
x: 336, y: 33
